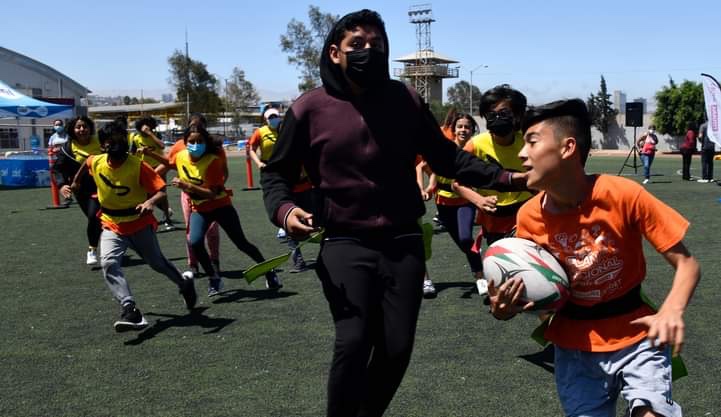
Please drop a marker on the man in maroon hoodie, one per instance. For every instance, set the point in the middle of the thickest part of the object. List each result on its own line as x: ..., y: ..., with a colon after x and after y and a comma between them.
x: 357, y: 137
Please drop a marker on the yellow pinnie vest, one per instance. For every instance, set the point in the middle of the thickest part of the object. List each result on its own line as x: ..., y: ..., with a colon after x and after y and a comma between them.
x: 267, y: 142
x: 81, y: 152
x: 194, y: 173
x: 139, y: 141
x: 507, y: 156
x: 119, y: 189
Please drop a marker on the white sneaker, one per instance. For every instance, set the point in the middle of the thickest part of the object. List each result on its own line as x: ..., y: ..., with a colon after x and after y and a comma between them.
x: 645, y: 181
x: 703, y: 181
x: 281, y: 233
x: 92, y: 258
x: 429, y: 291
x: 188, y: 275
x: 482, y: 286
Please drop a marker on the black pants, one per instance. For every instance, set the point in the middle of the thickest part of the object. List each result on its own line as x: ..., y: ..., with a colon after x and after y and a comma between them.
x: 707, y: 164
x: 227, y: 219
x: 458, y: 221
x: 686, y: 167
x: 374, y: 290
x: 90, y: 207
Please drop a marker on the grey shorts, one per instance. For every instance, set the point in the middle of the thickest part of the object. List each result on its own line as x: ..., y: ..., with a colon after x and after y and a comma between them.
x: 589, y: 383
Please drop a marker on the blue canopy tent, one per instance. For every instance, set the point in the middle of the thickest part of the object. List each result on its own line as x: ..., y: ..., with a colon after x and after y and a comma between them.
x: 29, y: 171
x: 16, y: 105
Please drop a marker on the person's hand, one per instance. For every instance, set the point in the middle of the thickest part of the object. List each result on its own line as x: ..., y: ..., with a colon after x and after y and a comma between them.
x: 427, y: 194
x: 145, y: 150
x: 145, y: 207
x: 261, y: 165
x: 666, y: 327
x: 299, y: 224
x: 146, y: 130
x: 66, y: 191
x: 487, y: 203
x: 506, y: 300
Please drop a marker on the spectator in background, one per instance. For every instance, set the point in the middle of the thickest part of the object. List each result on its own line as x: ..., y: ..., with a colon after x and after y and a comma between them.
x: 647, y: 149
x: 59, y: 136
x: 708, y: 149
x: 687, y: 148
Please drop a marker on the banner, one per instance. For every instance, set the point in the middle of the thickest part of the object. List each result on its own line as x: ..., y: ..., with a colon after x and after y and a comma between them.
x: 712, y: 98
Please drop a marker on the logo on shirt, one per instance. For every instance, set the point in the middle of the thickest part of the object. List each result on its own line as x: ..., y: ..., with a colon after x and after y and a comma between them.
x: 591, y: 260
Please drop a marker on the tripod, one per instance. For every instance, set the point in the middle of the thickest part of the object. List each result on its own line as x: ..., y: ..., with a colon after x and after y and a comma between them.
x: 634, y: 152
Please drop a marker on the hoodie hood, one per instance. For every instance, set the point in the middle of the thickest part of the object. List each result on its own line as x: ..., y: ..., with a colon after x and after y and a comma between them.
x: 331, y: 74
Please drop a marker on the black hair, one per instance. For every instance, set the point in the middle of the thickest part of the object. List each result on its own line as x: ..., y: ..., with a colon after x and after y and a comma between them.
x: 355, y: 19
x: 568, y: 118
x: 123, y: 121
x: 112, y: 130
x: 71, y: 126
x: 200, y: 117
x: 211, y: 145
x: 62, y: 122
x: 152, y: 123
x: 459, y: 116
x: 501, y: 93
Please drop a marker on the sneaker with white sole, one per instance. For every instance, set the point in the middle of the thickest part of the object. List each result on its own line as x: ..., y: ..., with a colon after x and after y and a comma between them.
x: 482, y: 286
x: 92, y: 257
x: 272, y: 281
x: 429, y: 290
x: 645, y: 181
x: 130, y: 319
x: 187, y: 290
x: 215, y: 285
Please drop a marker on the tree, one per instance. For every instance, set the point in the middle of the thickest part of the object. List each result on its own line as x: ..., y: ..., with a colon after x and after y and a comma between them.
x: 303, y: 45
x: 459, y: 96
x: 678, y: 105
x: 600, y: 108
x: 126, y: 100
x: 190, y: 77
x: 239, y: 95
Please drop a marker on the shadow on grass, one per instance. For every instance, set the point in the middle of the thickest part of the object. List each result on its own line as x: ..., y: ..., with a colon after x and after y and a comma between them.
x: 543, y: 359
x: 239, y: 295
x: 193, y: 318
x: 469, y: 288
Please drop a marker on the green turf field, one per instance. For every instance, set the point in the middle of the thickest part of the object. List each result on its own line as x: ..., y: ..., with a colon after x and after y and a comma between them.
x: 251, y: 352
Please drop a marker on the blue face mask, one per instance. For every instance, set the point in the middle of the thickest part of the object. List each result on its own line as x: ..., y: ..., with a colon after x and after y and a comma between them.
x: 196, y: 150
x: 274, y: 122
x: 59, y: 129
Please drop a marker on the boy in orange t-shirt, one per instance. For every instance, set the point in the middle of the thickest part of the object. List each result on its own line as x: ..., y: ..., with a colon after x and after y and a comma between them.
x: 607, y: 340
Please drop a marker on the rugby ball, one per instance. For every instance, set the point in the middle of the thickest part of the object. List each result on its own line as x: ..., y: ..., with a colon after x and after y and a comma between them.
x: 546, y: 283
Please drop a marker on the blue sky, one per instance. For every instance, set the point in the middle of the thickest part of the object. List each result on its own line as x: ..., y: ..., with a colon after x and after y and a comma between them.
x: 548, y: 49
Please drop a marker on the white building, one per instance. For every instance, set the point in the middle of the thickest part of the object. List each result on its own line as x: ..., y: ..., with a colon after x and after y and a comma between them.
x: 619, y: 101
x: 35, y: 79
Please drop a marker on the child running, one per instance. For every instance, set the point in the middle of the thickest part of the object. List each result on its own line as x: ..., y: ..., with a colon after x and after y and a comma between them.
x: 503, y: 108
x: 81, y: 143
x: 608, y: 341
x: 201, y: 175
x: 128, y: 190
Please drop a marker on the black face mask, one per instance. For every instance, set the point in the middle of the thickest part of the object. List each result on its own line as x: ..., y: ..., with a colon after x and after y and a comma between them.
x: 366, y: 67
x: 118, y: 150
x: 500, y: 126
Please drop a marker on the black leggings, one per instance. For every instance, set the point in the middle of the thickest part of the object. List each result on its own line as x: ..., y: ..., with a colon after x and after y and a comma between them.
x: 90, y: 207
x: 227, y: 219
x: 374, y: 291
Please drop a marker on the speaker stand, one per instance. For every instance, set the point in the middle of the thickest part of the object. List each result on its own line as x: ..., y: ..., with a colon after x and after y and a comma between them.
x: 634, y: 152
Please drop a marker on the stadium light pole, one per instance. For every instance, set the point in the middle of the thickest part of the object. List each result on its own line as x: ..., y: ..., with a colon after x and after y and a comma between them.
x: 470, y: 94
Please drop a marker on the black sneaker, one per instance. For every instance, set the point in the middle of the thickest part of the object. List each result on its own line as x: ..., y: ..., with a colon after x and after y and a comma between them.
x: 272, y: 281
x: 130, y: 319
x: 187, y: 290
x: 214, y: 286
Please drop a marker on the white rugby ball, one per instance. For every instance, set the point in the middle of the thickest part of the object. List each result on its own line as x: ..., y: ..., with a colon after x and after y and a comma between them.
x: 545, y: 280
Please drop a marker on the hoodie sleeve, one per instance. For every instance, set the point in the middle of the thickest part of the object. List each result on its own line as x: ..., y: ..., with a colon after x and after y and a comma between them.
x: 283, y: 168
x: 447, y: 160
